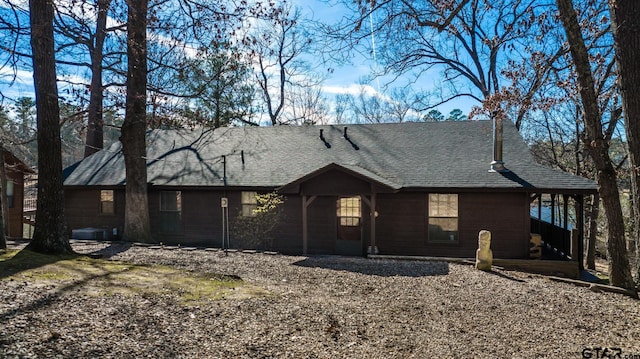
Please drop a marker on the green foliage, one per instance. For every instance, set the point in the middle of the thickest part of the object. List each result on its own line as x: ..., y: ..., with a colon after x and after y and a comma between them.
x: 437, y: 116
x: 268, y: 203
x: 434, y: 116
x: 217, y: 82
x: 18, y: 129
x: 25, y: 119
x: 456, y: 115
x: 255, y: 231
x: 101, y: 277
x: 4, y: 117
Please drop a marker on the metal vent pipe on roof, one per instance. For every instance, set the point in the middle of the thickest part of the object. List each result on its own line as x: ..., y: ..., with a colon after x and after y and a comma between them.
x: 497, y: 165
x: 326, y: 144
x: 224, y: 170
x: 346, y: 137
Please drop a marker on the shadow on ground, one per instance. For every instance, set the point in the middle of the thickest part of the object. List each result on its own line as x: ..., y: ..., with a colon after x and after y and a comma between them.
x: 502, y: 275
x: 377, y: 267
x: 14, y: 263
x: 113, y: 249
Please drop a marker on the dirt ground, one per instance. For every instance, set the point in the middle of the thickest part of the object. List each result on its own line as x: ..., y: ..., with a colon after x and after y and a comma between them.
x: 315, y: 307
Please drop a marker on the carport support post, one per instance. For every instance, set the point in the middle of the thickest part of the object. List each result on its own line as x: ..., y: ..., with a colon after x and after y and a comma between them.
x: 306, y: 201
x: 580, y: 225
x: 373, y: 249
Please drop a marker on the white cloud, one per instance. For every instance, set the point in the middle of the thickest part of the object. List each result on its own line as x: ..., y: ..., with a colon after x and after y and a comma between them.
x: 18, y: 84
x: 20, y: 75
x: 350, y: 89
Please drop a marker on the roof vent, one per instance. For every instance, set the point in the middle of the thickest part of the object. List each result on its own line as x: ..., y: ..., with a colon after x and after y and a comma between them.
x: 497, y: 165
x: 346, y: 137
x: 324, y: 140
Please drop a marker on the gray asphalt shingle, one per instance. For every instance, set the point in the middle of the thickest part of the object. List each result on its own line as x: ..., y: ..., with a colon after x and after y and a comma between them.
x: 409, y: 155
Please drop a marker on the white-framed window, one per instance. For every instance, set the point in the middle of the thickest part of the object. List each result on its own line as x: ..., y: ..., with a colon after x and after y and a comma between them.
x: 443, y: 218
x: 170, y: 211
x: 349, y: 211
x: 249, y: 203
x: 10, y: 193
x: 107, y: 203
x: 170, y: 201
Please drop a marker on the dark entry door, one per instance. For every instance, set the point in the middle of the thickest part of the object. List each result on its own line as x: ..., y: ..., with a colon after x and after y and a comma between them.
x: 349, y: 222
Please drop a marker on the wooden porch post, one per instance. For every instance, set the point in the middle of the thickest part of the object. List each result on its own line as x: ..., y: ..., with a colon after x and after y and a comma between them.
x: 580, y: 224
x: 566, y: 242
x: 306, y: 201
x: 565, y: 209
x: 373, y: 249
x: 539, y: 213
x: 553, y: 209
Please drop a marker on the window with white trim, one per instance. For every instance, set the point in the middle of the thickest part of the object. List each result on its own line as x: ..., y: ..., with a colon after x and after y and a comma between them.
x: 249, y: 204
x: 170, y: 211
x: 10, y: 193
x: 107, y: 202
x: 349, y: 211
x: 443, y: 218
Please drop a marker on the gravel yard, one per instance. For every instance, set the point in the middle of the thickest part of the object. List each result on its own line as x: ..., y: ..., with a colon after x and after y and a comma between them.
x: 319, y: 307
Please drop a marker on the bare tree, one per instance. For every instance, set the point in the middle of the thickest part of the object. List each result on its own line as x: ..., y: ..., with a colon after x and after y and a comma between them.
x: 83, y: 30
x: 308, y: 106
x: 471, y: 42
x: 134, y: 147
x: 14, y: 27
x: 625, y: 22
x: 368, y: 106
x: 49, y: 235
x: 403, y: 104
x: 598, y: 147
x: 3, y: 214
x: 341, y: 108
x: 95, y: 137
x: 278, y: 46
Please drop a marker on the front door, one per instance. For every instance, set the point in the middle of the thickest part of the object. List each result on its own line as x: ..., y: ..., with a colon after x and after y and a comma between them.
x: 349, y: 221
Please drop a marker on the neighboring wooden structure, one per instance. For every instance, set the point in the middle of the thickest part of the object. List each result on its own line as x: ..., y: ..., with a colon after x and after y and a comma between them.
x: 420, y: 189
x: 16, y: 170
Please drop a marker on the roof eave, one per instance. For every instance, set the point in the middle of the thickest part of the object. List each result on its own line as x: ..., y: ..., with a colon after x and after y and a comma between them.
x: 293, y: 187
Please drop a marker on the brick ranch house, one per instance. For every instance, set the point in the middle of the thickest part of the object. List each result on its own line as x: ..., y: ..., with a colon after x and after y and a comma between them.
x: 397, y: 189
x: 14, y: 193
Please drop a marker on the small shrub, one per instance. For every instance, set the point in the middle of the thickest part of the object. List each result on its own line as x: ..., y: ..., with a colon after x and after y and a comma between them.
x: 255, y: 231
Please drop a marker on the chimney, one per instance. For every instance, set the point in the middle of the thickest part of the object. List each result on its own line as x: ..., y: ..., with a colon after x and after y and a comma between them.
x: 497, y: 165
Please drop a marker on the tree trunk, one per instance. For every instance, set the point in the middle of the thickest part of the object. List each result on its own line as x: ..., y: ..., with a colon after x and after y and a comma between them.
x: 133, y: 138
x: 95, y: 123
x: 49, y: 235
x: 592, y: 237
x: 3, y: 201
x: 625, y: 22
x: 598, y: 147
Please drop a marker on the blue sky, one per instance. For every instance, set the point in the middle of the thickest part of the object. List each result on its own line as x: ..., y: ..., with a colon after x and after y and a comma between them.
x: 344, y: 78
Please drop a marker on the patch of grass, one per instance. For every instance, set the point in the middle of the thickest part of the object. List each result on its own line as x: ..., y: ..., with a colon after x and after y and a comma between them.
x: 6, y: 254
x: 603, y: 278
x: 16, y: 259
x: 104, y: 277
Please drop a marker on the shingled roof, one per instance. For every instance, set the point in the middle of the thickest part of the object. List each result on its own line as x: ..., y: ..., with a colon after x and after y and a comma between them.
x: 10, y: 158
x: 428, y: 155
